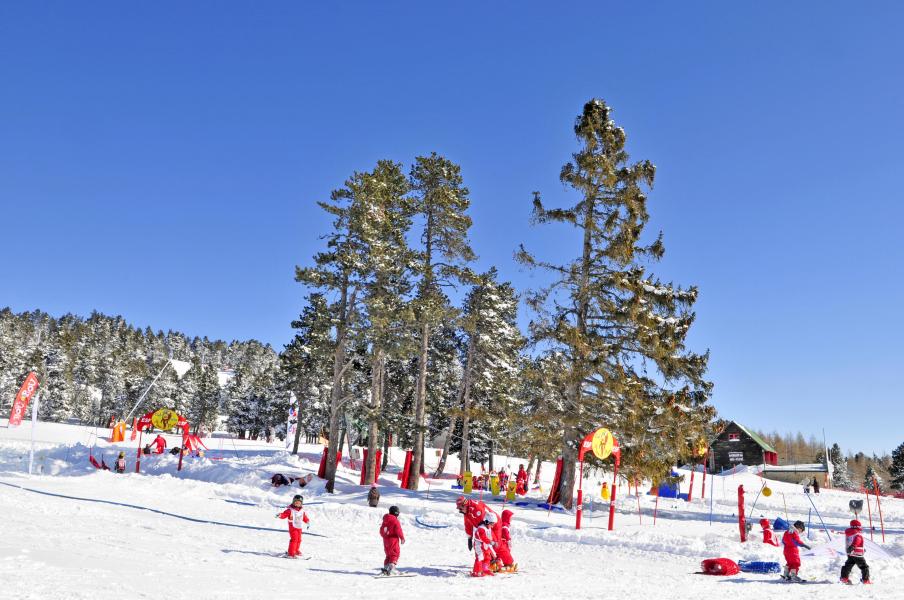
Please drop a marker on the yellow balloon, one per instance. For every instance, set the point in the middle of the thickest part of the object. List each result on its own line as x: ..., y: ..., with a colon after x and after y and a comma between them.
x: 602, y: 443
x: 767, y: 491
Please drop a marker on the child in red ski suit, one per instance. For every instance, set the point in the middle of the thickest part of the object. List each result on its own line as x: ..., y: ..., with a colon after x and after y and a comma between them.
x: 792, y: 542
x: 483, y: 544
x: 297, y: 518
x: 391, y: 532
x: 504, y: 544
x: 768, y: 534
x: 855, y: 550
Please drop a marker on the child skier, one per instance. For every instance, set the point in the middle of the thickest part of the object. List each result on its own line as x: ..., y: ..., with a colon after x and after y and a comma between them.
x: 505, y: 562
x: 121, y: 463
x: 391, y: 532
x: 297, y: 517
x: 768, y: 534
x: 855, y: 551
x: 791, y: 542
x: 483, y: 546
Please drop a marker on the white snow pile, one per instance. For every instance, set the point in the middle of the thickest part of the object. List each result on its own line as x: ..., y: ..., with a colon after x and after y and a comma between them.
x: 210, y: 531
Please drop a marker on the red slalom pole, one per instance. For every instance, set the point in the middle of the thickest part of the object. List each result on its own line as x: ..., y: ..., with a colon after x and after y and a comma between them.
x: 703, y: 489
x: 138, y: 458
x: 869, y: 512
x: 612, y: 496
x: 690, y: 489
x: 656, y: 507
x: 580, y: 509
x: 742, y: 524
x: 879, y: 505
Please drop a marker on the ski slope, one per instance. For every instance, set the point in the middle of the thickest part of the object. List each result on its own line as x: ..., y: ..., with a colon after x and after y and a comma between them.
x: 210, y: 532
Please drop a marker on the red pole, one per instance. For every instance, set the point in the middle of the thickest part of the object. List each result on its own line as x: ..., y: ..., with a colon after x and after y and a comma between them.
x: 612, y: 496
x: 656, y: 507
x: 690, y: 490
x: 742, y: 525
x: 637, y: 495
x: 181, y: 452
x: 703, y: 489
x: 879, y: 505
x: 138, y: 459
x: 869, y: 512
x: 580, y: 510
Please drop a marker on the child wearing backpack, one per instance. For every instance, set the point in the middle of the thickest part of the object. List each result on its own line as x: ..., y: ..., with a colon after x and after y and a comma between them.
x: 792, y: 542
x: 297, y: 517
x: 855, y: 551
x: 391, y: 532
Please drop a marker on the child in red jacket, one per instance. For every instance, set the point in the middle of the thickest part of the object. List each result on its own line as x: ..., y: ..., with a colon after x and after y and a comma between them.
x: 855, y: 551
x: 297, y: 518
x: 505, y: 561
x: 768, y: 534
x: 792, y: 542
x: 391, y: 532
x: 483, y: 544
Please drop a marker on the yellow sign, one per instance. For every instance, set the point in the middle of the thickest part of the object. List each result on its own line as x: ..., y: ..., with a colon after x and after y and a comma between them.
x: 602, y: 443
x: 510, y: 491
x: 494, y: 484
x: 701, y: 448
x: 165, y: 419
x: 467, y: 482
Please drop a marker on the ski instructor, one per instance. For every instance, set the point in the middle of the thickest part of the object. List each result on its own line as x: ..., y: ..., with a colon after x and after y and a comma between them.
x: 475, y: 512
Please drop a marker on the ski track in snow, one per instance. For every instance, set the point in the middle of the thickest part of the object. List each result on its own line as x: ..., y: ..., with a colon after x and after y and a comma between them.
x: 210, y: 532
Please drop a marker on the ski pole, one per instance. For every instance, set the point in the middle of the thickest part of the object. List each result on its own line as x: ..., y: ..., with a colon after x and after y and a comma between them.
x: 824, y: 528
x: 787, y: 518
x: 755, y: 500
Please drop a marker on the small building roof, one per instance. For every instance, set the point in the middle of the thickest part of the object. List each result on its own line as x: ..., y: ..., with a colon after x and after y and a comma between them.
x: 808, y: 467
x: 760, y: 441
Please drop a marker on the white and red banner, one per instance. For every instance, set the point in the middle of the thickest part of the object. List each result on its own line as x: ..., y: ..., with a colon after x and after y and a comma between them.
x: 20, y: 406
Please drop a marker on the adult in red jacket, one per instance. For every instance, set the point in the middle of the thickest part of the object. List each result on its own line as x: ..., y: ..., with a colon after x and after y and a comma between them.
x: 792, y: 542
x: 391, y: 532
x: 297, y: 518
x: 159, y: 444
x: 855, y: 550
x: 521, y: 481
x: 475, y: 512
x: 768, y: 534
x: 504, y: 544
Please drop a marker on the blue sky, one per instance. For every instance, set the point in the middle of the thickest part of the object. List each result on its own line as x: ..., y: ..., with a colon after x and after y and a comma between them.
x: 161, y: 161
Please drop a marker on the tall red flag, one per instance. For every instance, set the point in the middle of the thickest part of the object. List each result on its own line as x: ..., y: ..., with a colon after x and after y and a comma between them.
x: 27, y: 390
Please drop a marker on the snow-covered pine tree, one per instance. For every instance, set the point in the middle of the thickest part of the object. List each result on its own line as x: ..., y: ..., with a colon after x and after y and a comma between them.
x: 604, y: 311
x: 386, y: 320
x: 871, y: 479
x: 440, y: 202
x: 896, y: 471
x: 841, y: 478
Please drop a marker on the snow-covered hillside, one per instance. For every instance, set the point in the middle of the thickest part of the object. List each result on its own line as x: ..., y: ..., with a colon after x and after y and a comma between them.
x: 210, y: 532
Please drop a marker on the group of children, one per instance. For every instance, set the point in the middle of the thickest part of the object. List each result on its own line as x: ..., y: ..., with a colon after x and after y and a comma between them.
x: 791, y: 543
x: 489, y: 536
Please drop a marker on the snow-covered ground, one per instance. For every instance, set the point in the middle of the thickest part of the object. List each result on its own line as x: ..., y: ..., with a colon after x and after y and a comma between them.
x: 210, y: 532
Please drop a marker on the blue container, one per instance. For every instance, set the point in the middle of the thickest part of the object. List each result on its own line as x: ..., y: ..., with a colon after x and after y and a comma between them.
x: 780, y: 524
x: 758, y: 566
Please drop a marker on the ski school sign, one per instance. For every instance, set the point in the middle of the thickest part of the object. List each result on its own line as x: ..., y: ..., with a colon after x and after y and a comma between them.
x: 20, y: 405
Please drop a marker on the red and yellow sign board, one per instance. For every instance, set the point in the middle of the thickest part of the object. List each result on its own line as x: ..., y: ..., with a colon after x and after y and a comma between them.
x: 165, y: 419
x: 601, y: 443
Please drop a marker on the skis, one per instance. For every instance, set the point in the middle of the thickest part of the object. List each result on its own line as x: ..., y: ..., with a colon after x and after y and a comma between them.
x: 284, y: 555
x: 395, y: 575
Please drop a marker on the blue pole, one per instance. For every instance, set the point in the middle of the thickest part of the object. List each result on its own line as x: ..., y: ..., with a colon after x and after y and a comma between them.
x: 816, y: 510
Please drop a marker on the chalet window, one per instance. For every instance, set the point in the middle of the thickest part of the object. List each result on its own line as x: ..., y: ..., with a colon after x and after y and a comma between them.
x: 734, y: 437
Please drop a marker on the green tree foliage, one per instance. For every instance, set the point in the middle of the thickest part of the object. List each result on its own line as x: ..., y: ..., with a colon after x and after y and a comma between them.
x: 604, y: 312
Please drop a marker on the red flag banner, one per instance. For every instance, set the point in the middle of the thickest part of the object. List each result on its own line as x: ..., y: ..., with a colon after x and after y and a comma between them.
x: 20, y: 405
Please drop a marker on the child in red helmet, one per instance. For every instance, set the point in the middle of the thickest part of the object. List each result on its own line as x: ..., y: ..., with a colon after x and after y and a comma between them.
x: 297, y: 518
x: 792, y: 542
x: 391, y: 532
x: 855, y: 550
x: 768, y: 534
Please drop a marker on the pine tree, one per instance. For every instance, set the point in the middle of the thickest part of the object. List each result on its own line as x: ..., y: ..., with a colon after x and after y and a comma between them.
x: 608, y: 316
x: 840, y: 476
x: 896, y: 471
x: 440, y: 201
x: 871, y: 479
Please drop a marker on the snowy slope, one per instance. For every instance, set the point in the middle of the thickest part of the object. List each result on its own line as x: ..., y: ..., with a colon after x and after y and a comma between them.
x: 210, y: 532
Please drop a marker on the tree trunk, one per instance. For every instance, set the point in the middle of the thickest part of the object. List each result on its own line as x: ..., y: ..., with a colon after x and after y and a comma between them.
x: 417, y: 457
x: 297, y: 425
x: 530, y: 464
x: 492, y: 451
x: 385, y: 461
x: 447, y: 444
x: 339, y: 361
x: 373, y: 430
x: 465, y: 454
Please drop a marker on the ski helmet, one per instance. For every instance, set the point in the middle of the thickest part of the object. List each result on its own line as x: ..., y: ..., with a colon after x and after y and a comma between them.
x: 856, y: 523
x: 490, y: 518
x: 799, y: 525
x: 764, y: 523
x: 394, y: 510
x: 460, y: 503
x: 298, y: 498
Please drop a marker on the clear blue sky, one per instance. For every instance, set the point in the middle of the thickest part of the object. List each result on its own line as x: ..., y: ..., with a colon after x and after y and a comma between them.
x: 161, y: 161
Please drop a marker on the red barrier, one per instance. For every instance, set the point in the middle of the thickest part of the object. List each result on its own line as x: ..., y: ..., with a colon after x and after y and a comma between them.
x: 376, y: 469
x: 321, y: 470
x: 403, y: 476
x: 742, y: 525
